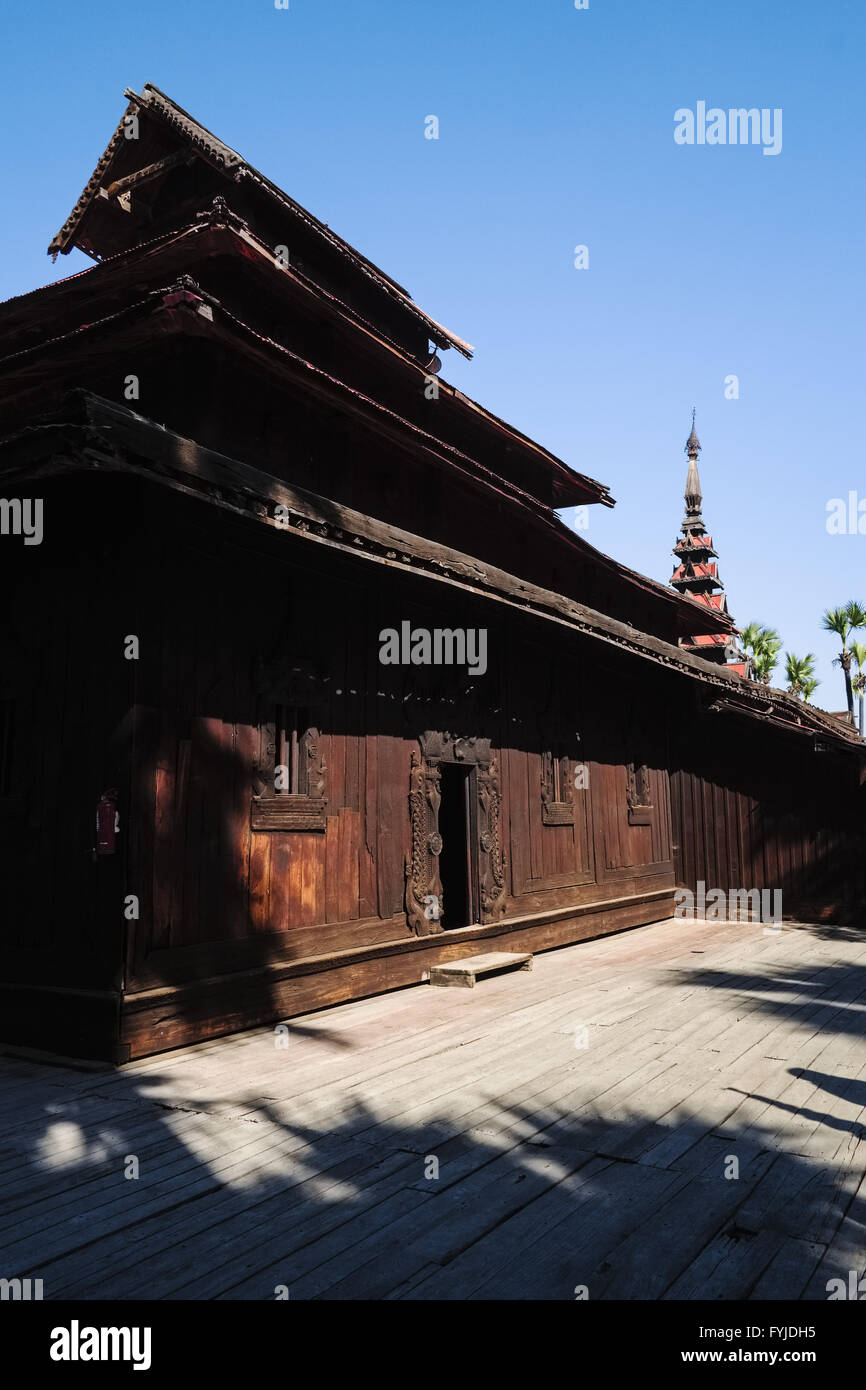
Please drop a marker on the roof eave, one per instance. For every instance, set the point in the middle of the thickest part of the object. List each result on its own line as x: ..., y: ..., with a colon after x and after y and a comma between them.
x: 101, y: 426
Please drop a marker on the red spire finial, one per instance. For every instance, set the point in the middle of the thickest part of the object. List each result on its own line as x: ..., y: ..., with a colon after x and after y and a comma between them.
x: 696, y: 574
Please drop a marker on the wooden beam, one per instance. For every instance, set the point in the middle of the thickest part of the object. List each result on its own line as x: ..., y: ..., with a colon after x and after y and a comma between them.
x: 150, y: 171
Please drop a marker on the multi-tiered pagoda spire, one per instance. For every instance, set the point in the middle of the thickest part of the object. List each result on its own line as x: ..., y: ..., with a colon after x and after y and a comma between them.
x: 697, y: 573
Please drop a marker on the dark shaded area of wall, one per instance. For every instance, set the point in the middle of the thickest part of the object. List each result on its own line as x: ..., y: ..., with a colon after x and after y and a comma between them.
x: 756, y: 808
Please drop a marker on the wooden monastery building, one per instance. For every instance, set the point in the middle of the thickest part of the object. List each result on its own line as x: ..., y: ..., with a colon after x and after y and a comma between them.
x: 236, y: 784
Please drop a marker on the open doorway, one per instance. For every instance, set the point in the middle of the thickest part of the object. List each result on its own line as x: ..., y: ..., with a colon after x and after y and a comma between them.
x: 457, y: 863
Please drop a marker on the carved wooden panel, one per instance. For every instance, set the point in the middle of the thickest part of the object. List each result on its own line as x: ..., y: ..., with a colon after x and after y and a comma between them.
x: 289, y: 791
x: 281, y: 810
x: 638, y: 794
x: 313, y: 765
x: 288, y: 813
x: 557, y: 792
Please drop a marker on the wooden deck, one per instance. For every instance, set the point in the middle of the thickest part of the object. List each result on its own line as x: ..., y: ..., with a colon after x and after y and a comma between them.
x: 582, y: 1118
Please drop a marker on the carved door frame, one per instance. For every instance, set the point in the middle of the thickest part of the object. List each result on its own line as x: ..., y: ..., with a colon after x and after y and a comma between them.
x: 423, y: 883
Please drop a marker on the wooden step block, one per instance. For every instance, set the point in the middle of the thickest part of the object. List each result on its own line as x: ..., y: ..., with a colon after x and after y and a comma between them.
x: 464, y: 973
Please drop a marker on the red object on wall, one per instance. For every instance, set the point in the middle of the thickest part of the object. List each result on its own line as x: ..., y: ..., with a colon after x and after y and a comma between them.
x: 107, y: 822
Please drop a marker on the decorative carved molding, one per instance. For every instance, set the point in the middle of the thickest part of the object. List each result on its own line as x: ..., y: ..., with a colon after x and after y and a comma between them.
x: 454, y: 748
x: 288, y: 813
x: 492, y: 861
x: 424, y: 898
x: 423, y: 885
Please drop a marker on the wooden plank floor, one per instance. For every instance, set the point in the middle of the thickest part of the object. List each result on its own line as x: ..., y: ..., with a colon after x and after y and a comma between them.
x: 676, y: 1112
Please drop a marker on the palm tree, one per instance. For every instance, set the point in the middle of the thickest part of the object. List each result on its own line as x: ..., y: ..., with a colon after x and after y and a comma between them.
x: 858, y: 651
x: 843, y: 622
x: 765, y: 663
x: 763, y: 645
x: 800, y: 675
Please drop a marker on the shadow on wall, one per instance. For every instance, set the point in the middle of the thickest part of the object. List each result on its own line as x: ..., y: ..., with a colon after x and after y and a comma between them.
x: 756, y: 810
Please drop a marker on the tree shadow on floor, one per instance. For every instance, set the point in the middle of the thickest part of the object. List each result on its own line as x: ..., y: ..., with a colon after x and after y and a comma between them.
x: 324, y: 1196
x: 831, y: 996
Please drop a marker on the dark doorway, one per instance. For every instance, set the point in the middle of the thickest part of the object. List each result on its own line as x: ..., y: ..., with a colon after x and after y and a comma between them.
x: 457, y: 859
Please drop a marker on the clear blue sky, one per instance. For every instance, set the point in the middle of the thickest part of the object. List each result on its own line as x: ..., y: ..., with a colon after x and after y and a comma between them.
x: 556, y: 129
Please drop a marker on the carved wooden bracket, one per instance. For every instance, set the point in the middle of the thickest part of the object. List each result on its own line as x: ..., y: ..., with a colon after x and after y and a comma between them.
x: 424, y: 905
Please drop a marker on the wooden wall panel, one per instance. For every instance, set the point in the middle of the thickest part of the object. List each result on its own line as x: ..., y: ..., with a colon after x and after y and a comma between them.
x: 260, y: 881
x: 542, y: 857
x: 764, y: 810
x: 393, y: 807
x: 368, y: 895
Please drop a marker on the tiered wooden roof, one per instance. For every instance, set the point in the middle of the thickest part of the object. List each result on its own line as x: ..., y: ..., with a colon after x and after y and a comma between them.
x: 161, y: 166
x: 299, y: 381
